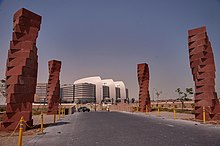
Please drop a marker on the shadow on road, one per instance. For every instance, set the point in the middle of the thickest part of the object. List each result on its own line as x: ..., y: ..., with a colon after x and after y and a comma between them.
x: 49, y: 125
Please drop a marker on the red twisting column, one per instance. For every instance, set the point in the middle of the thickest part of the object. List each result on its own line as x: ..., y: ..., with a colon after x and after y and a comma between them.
x: 53, y: 88
x: 203, y: 70
x: 21, y: 72
x: 143, y: 80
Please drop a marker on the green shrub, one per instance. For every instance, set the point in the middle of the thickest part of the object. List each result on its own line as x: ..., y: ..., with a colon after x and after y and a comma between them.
x: 37, y: 111
x: 2, y: 109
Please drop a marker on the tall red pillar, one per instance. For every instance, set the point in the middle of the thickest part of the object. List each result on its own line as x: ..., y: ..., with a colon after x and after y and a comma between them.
x: 21, y: 71
x: 53, y: 88
x: 203, y: 70
x: 143, y: 81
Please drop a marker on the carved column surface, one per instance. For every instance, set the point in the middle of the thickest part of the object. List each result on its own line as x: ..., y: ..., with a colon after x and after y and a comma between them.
x: 143, y: 81
x: 203, y: 70
x: 53, y: 88
x: 21, y: 71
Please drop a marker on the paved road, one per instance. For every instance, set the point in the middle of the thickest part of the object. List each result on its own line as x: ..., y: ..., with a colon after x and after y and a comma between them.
x: 125, y: 129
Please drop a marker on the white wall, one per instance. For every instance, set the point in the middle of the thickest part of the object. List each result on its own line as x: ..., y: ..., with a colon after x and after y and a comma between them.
x: 121, y: 85
x: 110, y: 83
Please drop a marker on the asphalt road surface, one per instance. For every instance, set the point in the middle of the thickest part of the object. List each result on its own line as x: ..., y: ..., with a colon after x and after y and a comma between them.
x: 126, y: 129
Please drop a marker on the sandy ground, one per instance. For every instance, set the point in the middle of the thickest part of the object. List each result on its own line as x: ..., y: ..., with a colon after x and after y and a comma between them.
x: 170, y: 115
x: 11, y: 139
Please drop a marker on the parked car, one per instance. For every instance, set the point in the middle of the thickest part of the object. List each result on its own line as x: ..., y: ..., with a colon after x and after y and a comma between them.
x: 83, y: 109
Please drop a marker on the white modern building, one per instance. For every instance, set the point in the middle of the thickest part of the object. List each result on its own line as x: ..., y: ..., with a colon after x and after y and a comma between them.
x: 121, y: 90
x: 94, y: 88
x: 41, y: 93
x: 67, y: 92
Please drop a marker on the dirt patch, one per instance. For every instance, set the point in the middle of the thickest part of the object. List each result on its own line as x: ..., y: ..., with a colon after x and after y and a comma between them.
x: 11, y: 139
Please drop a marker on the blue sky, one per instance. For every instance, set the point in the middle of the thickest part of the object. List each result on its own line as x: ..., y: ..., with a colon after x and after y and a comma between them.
x: 110, y: 37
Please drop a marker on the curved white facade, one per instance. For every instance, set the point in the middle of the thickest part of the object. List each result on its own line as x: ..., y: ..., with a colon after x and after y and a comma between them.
x: 100, y: 84
x: 121, y: 85
x: 110, y: 83
x: 93, y: 80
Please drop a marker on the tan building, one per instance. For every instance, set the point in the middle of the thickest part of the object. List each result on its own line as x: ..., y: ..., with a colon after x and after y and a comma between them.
x: 41, y: 93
